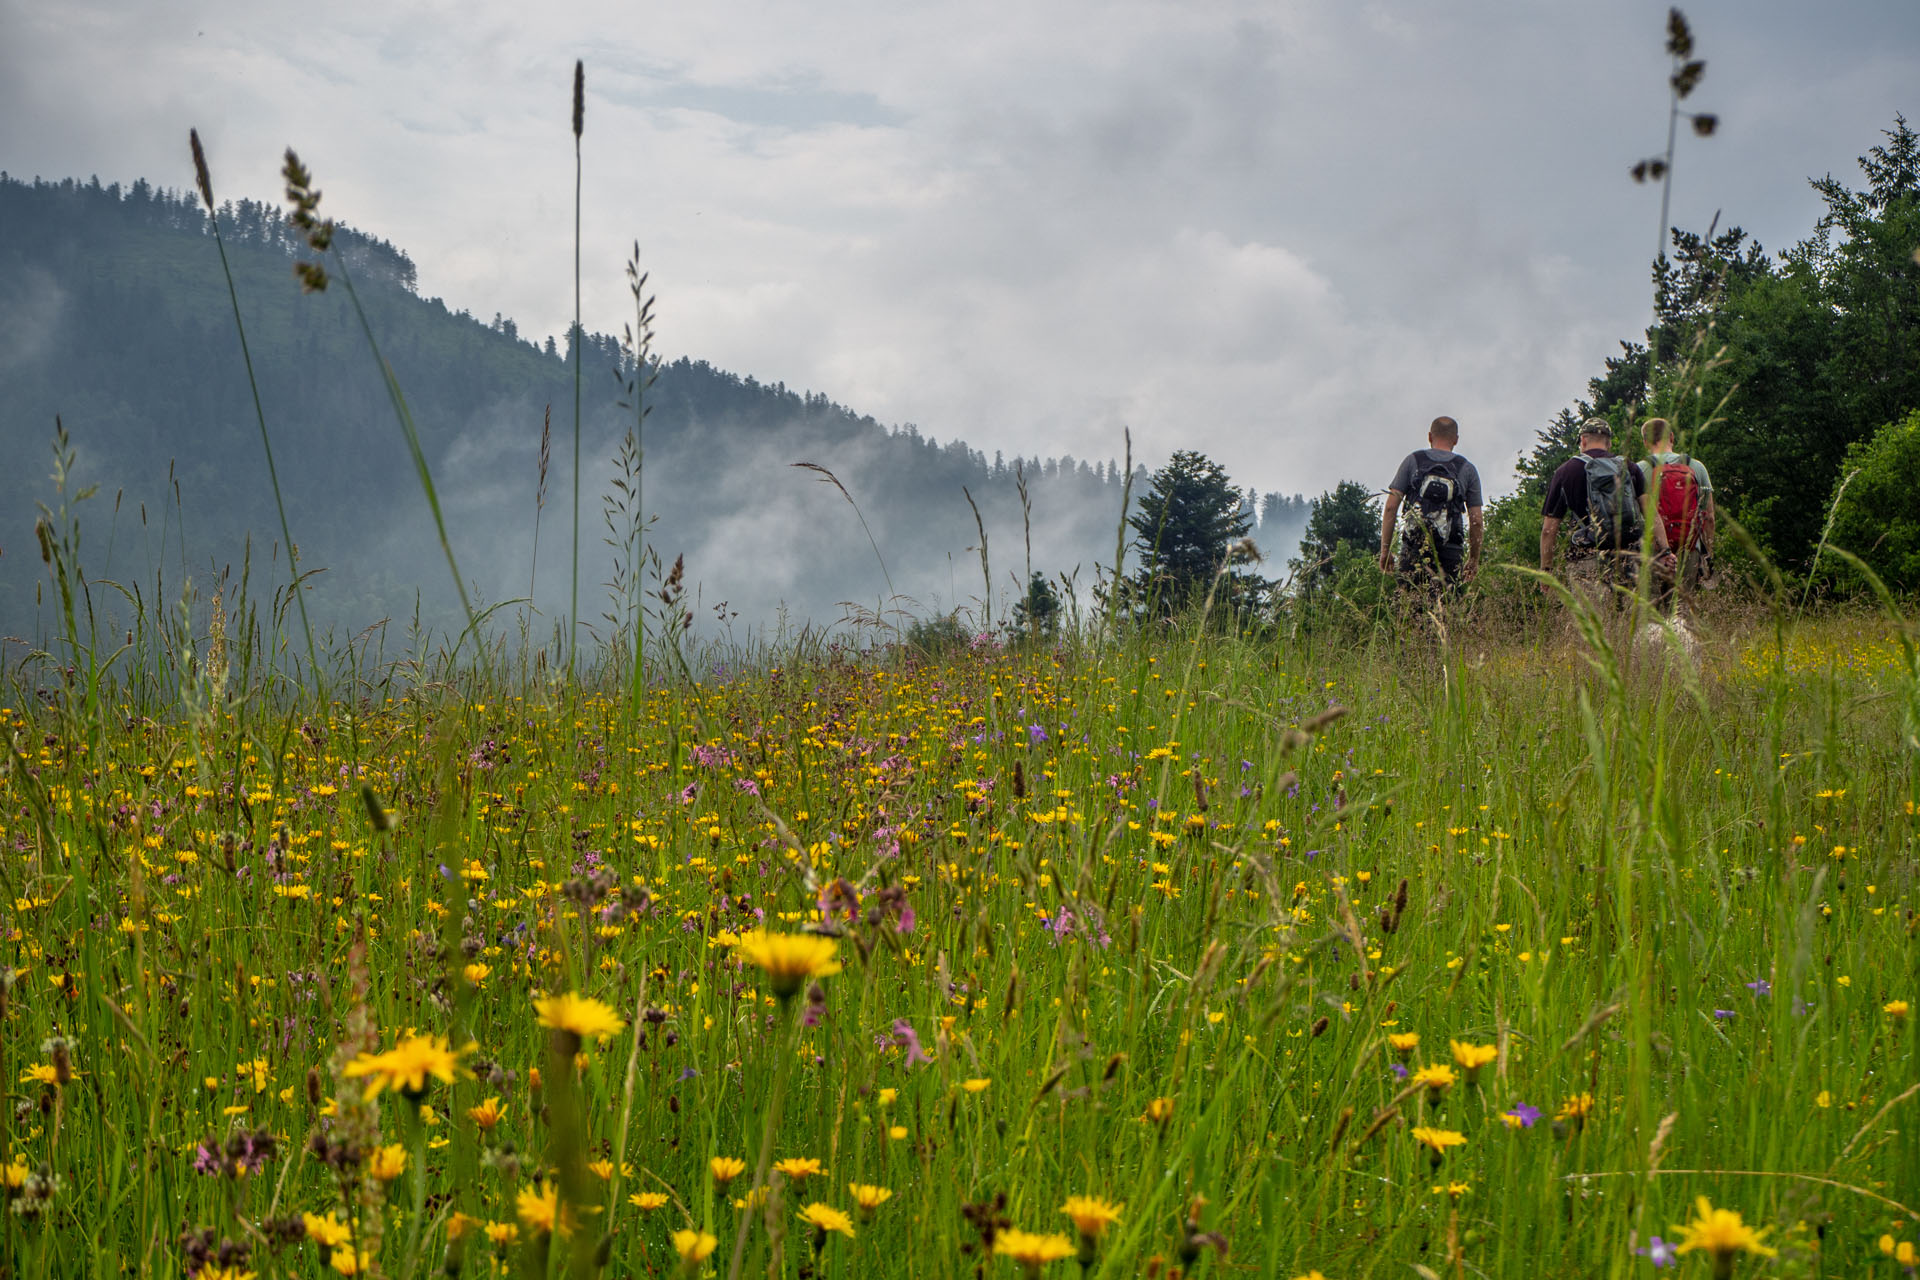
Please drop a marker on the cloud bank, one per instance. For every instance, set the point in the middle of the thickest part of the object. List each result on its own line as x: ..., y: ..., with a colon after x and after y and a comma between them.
x: 1285, y: 234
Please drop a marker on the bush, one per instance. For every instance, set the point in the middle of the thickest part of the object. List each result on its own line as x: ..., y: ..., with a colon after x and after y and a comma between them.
x: 937, y: 637
x: 1877, y: 513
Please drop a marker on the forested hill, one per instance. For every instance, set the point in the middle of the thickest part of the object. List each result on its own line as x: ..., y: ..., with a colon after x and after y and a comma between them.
x: 114, y: 315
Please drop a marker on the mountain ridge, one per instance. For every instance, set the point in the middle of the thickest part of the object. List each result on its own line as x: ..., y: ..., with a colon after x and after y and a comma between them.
x: 119, y: 322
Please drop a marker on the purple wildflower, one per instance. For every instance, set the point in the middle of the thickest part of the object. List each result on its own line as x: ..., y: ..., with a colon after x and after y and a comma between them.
x: 1525, y: 1115
x: 1760, y: 987
x: 905, y: 1036
x: 1723, y: 1014
x: 1660, y: 1253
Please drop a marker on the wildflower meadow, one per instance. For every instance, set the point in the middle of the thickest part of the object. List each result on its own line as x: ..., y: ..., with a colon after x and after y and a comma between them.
x: 1185, y: 954
x: 1334, y: 947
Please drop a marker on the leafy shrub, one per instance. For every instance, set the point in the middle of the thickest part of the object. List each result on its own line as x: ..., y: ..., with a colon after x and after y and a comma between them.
x: 937, y: 637
x: 1877, y: 511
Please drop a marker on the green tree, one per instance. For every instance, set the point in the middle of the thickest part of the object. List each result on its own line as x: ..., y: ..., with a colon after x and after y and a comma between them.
x: 1348, y: 515
x: 1036, y: 617
x: 1186, y: 525
x: 1817, y: 354
x: 1877, y: 514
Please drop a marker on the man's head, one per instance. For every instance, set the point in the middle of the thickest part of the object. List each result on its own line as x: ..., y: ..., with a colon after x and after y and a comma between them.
x: 1596, y: 433
x: 1444, y: 433
x: 1656, y: 434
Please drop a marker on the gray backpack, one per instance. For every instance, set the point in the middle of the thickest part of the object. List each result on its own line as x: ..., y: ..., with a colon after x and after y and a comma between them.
x: 1613, y: 516
x: 1438, y: 502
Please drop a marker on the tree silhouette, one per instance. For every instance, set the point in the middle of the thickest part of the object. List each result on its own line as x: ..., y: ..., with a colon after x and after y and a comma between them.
x: 1186, y: 525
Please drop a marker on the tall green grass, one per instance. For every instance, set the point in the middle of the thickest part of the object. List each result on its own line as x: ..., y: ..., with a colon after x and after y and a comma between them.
x: 1156, y: 869
x: 1158, y: 908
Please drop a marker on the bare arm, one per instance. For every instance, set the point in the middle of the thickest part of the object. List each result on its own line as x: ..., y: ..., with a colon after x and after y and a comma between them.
x: 1549, y: 539
x: 1476, y: 532
x: 1706, y: 523
x: 1388, y: 515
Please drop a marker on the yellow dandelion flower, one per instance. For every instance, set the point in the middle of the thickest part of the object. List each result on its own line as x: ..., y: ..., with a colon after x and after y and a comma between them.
x: 581, y: 1016
x: 1091, y: 1215
x: 1576, y: 1108
x: 1471, y: 1057
x: 1030, y: 1250
x: 487, y: 1114
x: 40, y: 1073
x: 824, y: 1218
x: 979, y: 1084
x: 648, y: 1200
x: 868, y: 1198
x: 726, y: 1168
x: 789, y: 958
x: 539, y: 1208
x: 1896, y: 1009
x: 1721, y: 1233
x: 406, y: 1066
x: 1439, y: 1139
x: 1159, y: 1111
x: 1403, y: 1042
x: 694, y: 1247
x: 502, y: 1234
x: 797, y: 1170
x: 327, y: 1232
x: 1437, y: 1078
x: 387, y: 1163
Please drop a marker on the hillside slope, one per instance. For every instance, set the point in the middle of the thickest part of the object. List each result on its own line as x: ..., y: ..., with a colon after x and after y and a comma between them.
x: 114, y: 315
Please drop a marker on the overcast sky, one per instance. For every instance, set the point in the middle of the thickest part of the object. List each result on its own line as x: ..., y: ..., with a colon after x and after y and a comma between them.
x: 1285, y: 233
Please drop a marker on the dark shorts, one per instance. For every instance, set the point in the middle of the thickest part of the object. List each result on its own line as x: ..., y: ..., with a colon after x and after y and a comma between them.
x: 1425, y: 562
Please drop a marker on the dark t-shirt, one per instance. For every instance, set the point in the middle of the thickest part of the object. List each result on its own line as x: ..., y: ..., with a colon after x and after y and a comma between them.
x: 1420, y: 459
x: 1567, y: 490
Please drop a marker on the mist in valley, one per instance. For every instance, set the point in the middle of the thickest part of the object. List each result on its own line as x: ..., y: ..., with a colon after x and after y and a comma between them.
x: 115, y: 320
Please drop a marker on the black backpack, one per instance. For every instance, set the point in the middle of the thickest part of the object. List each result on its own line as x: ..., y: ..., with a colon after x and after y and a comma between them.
x: 1438, y: 501
x: 1613, y: 515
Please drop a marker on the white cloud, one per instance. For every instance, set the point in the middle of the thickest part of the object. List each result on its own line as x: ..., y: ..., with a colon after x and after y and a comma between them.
x: 1287, y: 235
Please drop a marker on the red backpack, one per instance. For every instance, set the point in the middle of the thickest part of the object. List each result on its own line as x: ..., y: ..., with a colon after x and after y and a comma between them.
x: 1677, y: 493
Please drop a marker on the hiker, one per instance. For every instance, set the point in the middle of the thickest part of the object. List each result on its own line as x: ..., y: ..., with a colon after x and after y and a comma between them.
x: 1683, y: 498
x: 1607, y: 500
x: 1440, y: 547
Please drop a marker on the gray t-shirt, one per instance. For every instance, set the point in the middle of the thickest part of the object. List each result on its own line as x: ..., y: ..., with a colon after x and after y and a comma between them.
x: 1420, y: 459
x: 1662, y: 459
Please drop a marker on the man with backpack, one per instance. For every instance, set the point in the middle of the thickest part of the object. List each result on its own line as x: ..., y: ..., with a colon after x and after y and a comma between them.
x: 1606, y: 498
x: 1683, y: 498
x: 1440, y: 546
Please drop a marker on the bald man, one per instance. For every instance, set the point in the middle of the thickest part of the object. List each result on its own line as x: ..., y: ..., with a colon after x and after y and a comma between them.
x: 1440, y: 546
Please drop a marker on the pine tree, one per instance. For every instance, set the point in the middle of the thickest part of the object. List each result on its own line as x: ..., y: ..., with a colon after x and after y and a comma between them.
x: 1186, y: 525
